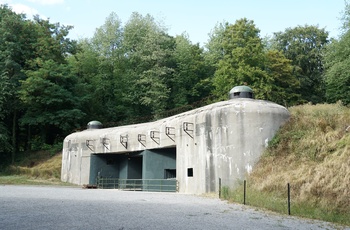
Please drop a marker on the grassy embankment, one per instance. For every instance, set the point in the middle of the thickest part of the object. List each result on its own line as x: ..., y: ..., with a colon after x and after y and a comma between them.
x: 37, y: 168
x: 312, y: 153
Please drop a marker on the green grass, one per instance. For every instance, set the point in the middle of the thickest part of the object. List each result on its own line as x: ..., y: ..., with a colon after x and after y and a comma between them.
x: 270, y: 201
x: 28, y: 180
x: 279, y: 203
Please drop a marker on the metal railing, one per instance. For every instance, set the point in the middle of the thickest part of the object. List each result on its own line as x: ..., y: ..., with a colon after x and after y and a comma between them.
x: 151, y: 185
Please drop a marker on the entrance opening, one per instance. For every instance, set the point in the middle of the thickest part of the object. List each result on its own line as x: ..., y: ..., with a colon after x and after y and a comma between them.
x: 135, y: 167
x: 169, y: 173
x: 148, y: 170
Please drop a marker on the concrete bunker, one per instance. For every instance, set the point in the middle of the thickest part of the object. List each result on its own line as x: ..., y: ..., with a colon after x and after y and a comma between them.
x: 221, y: 140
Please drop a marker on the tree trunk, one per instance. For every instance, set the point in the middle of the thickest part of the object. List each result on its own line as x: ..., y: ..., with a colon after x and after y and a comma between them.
x: 14, y: 134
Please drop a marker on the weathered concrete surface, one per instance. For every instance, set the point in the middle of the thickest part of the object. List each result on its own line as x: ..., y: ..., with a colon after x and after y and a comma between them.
x: 222, y: 140
x: 33, y: 207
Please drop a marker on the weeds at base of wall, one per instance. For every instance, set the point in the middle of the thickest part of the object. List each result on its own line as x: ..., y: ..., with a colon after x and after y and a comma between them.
x: 279, y: 203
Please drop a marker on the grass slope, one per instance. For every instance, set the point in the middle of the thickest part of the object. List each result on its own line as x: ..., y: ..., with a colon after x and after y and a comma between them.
x: 37, y: 168
x: 312, y: 153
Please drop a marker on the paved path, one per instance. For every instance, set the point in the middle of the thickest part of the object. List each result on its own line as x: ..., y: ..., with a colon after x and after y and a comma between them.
x: 35, y: 207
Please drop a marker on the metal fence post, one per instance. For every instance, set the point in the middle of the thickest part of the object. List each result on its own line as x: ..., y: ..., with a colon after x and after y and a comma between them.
x: 244, y: 191
x: 288, y: 188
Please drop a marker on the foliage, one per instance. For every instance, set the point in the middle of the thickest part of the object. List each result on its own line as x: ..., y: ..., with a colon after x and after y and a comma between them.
x: 147, y: 50
x: 242, y: 58
x: 337, y: 74
x: 345, y: 18
x: 304, y: 45
x: 337, y: 61
x: 16, y: 46
x: 246, y: 61
x: 100, y: 65
x: 4, y: 95
x: 48, y: 92
x: 283, y: 85
x: 214, y: 51
x: 188, y: 81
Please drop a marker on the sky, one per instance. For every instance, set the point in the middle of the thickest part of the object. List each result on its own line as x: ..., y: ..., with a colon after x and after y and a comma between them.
x: 197, y: 18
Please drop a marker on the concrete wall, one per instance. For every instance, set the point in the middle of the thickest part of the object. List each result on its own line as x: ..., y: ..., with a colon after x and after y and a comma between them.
x: 222, y: 140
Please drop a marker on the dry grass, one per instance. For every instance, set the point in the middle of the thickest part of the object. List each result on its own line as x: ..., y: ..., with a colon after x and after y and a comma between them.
x: 42, y: 167
x: 312, y: 153
x: 37, y: 168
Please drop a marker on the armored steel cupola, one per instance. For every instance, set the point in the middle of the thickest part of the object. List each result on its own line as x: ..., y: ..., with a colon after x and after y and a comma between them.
x: 94, y: 125
x: 242, y: 91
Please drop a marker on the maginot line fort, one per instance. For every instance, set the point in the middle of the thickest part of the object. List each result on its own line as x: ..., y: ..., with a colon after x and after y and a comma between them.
x: 195, y: 148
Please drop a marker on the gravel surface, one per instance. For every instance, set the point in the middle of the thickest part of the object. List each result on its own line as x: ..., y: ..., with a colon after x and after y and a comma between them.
x: 42, y: 207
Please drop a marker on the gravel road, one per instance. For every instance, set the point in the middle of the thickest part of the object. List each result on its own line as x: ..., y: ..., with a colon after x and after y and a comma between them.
x: 42, y: 207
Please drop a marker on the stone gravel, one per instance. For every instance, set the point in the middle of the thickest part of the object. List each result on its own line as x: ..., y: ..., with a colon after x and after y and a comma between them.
x: 47, y: 207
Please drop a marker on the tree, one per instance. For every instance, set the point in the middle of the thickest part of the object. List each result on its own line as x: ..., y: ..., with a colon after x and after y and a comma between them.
x: 148, y: 49
x: 284, y: 86
x: 52, y: 107
x: 242, y: 61
x: 304, y: 46
x: 337, y: 63
x: 48, y: 93
x: 214, y: 50
x: 105, y: 53
x: 51, y: 42
x: 16, y: 47
x: 5, y: 145
x: 188, y: 82
x: 85, y: 66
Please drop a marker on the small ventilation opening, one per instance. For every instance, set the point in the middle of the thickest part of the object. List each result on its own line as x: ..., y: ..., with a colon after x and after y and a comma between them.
x: 190, y: 172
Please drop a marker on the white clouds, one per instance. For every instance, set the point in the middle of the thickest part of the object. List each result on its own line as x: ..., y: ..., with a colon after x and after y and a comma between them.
x: 47, y: 2
x: 23, y: 9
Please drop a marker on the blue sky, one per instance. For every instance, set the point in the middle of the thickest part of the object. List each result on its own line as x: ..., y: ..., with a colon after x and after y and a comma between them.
x: 195, y: 17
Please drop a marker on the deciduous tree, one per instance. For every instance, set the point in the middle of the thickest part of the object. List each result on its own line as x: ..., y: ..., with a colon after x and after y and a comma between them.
x: 283, y: 86
x: 16, y: 47
x: 242, y: 61
x: 337, y: 64
x: 188, y: 84
x: 48, y: 93
x: 304, y: 46
x: 147, y: 50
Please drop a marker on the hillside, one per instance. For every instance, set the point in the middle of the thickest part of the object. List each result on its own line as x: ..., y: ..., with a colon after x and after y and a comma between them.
x: 41, y: 167
x: 312, y: 153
